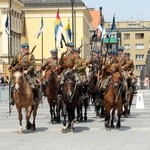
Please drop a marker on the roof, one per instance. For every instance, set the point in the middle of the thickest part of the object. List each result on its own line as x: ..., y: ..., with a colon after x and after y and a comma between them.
x: 95, y: 19
x: 51, y: 3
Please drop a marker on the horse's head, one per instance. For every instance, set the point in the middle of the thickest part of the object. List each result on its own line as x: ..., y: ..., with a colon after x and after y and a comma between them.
x: 116, y: 79
x: 51, y: 73
x: 18, y: 79
x: 69, y: 84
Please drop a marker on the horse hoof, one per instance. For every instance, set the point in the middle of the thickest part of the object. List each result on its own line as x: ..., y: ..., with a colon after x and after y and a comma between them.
x: 72, y: 129
x: 85, y: 118
x: 112, y: 126
x: 65, y: 130
x: 20, y: 130
x: 33, y: 128
x: 28, y: 126
x: 118, y: 126
x: 108, y: 129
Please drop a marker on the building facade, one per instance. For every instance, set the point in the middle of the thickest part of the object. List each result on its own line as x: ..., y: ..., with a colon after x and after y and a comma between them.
x: 25, y: 22
x: 134, y: 36
x: 10, y: 17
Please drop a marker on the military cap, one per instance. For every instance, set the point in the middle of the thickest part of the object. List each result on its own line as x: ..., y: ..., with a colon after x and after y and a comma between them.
x: 25, y: 45
x: 96, y: 51
x: 127, y: 54
x: 115, y: 53
x: 120, y: 48
x: 53, y: 51
x: 70, y: 44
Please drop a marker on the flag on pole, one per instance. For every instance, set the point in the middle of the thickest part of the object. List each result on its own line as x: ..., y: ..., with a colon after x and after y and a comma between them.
x: 102, y: 30
x: 68, y: 30
x: 113, y: 26
x: 7, y: 26
x: 58, y: 30
x: 41, y: 28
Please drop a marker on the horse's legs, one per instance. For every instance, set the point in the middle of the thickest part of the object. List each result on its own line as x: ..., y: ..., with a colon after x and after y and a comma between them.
x: 28, y: 115
x: 112, y: 120
x: 51, y: 113
x: 58, y: 113
x: 34, y: 116
x: 85, y: 108
x: 119, y: 109
x: 20, y: 118
x: 78, y: 113
x: 102, y: 111
x: 107, y: 116
x: 130, y: 103
x: 71, y: 116
x: 64, y: 114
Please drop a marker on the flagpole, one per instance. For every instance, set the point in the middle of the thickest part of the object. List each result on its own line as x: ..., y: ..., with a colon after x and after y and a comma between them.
x: 42, y: 46
x: 102, y: 24
x: 9, y: 48
x: 55, y: 42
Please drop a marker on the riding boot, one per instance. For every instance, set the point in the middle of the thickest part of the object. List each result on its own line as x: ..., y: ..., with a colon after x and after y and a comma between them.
x: 101, y: 95
x: 129, y: 84
x: 81, y: 91
x: 124, y: 97
x: 11, y: 102
x: 35, y: 92
x: 43, y: 89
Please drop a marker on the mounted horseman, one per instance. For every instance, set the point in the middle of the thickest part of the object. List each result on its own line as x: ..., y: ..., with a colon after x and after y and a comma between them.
x: 68, y: 62
x: 50, y: 63
x: 25, y: 91
x: 128, y: 69
x: 81, y: 73
x: 69, y: 85
x: 25, y: 62
x: 95, y: 64
x: 50, y: 84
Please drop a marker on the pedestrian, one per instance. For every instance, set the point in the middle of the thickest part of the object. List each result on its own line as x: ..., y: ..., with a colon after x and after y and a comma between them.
x: 146, y: 82
x: 1, y: 78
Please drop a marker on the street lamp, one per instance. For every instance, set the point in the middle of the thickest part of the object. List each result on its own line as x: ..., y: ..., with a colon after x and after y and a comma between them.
x: 72, y: 4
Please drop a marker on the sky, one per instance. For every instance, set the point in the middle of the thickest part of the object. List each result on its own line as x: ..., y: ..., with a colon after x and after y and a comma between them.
x: 124, y: 10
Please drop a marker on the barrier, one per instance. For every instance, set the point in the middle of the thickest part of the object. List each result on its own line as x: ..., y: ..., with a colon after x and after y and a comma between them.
x: 139, y: 101
x: 4, y: 93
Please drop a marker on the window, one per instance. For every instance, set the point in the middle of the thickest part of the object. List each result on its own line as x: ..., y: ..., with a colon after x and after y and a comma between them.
x: 139, y: 46
x: 139, y: 67
x: 127, y: 46
x: 113, y: 36
x: 127, y: 36
x: 139, y: 35
x: 139, y: 57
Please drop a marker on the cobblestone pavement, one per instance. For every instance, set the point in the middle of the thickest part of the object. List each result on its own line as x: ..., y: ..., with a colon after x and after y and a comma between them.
x: 134, y: 133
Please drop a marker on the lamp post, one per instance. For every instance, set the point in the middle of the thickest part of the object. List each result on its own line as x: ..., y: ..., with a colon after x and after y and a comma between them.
x: 72, y: 4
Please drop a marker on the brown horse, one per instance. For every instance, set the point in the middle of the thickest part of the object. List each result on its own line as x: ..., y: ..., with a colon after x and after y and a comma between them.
x: 113, y: 100
x: 51, y: 92
x: 130, y: 96
x: 23, y: 96
x: 70, y: 96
